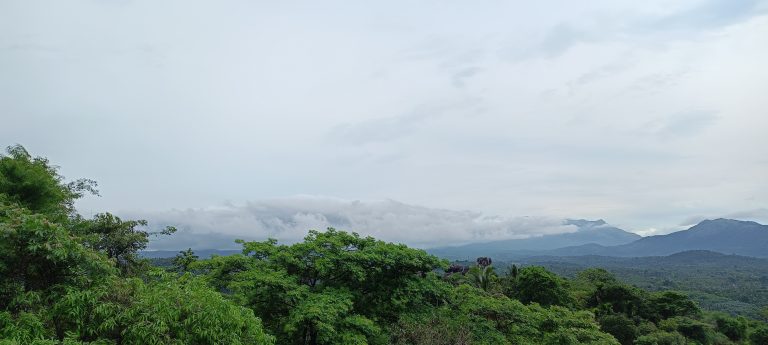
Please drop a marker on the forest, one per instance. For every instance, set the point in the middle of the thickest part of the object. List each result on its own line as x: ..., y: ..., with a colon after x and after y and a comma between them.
x: 733, y: 284
x: 70, y: 279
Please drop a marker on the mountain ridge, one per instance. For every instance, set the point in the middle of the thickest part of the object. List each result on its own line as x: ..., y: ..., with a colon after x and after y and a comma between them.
x: 721, y: 235
x: 727, y: 236
x: 587, y: 231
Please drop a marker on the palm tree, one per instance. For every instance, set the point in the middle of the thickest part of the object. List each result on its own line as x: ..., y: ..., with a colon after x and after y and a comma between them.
x: 483, y: 274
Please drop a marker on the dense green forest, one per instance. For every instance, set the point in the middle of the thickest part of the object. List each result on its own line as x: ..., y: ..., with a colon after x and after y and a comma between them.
x: 734, y: 284
x: 67, y: 279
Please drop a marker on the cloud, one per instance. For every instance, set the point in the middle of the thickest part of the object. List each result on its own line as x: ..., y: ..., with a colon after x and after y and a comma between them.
x: 602, y: 72
x: 709, y: 14
x: 451, y: 51
x: 653, y: 29
x: 289, y: 219
x: 560, y: 38
x: 681, y: 124
x: 691, y: 221
x: 656, y: 82
x: 460, y: 78
x: 391, y: 128
x: 759, y: 215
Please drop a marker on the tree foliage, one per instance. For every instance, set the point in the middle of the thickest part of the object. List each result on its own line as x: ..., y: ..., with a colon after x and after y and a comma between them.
x: 536, y: 284
x: 184, y: 260
x: 331, y: 286
x: 66, y: 280
x: 121, y: 240
x: 37, y: 186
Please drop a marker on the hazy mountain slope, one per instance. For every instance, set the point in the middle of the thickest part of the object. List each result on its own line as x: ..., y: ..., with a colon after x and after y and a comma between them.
x: 588, y: 232
x: 726, y: 236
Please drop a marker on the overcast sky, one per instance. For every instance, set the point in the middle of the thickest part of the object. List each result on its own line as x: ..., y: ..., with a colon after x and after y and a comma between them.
x: 429, y: 122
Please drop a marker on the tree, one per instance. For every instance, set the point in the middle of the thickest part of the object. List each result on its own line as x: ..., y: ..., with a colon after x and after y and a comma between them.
x: 439, y: 326
x: 621, y: 327
x: 619, y: 298
x: 483, y: 275
x: 187, y: 311
x: 671, y: 304
x: 661, y: 338
x: 36, y: 185
x: 59, y: 281
x: 734, y: 328
x: 688, y: 327
x: 513, y: 271
x: 120, y: 240
x: 759, y: 335
x: 333, y: 283
x: 596, y: 277
x: 497, y: 319
x: 37, y: 255
x: 184, y: 260
x: 328, y: 317
x: 536, y: 284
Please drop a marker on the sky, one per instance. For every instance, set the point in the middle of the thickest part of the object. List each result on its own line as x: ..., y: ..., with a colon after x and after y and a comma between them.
x: 429, y: 122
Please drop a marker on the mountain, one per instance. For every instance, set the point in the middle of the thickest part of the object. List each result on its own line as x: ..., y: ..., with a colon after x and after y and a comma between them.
x: 726, y: 236
x: 587, y: 231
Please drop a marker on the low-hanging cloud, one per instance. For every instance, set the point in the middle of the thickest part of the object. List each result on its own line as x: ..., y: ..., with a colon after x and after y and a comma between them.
x: 289, y: 219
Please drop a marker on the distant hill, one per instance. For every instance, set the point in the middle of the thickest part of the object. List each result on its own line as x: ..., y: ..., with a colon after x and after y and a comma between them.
x: 725, y: 236
x: 595, y: 232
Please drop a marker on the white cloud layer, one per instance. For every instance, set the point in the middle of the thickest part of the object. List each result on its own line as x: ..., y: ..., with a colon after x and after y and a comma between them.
x: 289, y: 219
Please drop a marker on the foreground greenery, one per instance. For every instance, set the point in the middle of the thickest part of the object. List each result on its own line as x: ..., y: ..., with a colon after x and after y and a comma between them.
x: 65, y: 279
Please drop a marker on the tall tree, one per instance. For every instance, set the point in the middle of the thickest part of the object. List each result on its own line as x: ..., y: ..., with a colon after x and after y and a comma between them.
x: 120, y: 239
x: 329, y: 288
x: 35, y: 184
x: 59, y: 281
x: 184, y: 259
x: 536, y: 284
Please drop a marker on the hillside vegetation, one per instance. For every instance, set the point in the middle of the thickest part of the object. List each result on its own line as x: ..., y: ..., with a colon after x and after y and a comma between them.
x: 734, y: 284
x: 67, y: 279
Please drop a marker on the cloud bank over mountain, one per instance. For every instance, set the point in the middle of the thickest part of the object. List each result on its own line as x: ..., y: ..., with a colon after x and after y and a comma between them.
x: 289, y: 219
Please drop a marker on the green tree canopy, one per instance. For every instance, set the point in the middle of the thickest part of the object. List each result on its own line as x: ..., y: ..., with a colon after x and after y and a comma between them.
x: 536, y: 284
x: 60, y: 280
x: 331, y: 286
x: 35, y: 184
x: 121, y: 240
